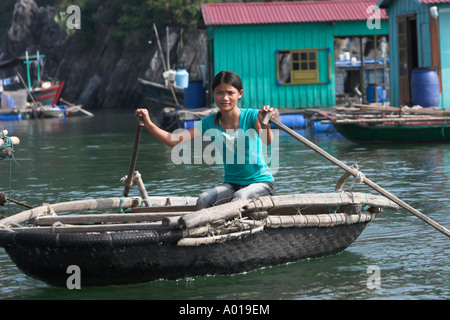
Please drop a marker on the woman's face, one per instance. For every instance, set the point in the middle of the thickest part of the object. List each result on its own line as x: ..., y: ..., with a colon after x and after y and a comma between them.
x: 226, y: 96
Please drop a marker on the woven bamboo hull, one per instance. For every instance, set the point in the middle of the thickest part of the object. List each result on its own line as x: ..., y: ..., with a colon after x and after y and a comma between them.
x: 141, y: 256
x: 170, y: 239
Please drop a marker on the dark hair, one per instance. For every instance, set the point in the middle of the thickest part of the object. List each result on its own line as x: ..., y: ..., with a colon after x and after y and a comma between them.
x: 228, y: 77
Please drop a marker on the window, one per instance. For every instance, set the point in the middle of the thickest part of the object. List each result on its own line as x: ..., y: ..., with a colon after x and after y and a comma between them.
x: 297, y: 66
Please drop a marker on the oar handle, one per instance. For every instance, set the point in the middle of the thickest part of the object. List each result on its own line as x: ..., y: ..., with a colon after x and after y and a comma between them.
x: 355, y: 173
x: 140, y: 123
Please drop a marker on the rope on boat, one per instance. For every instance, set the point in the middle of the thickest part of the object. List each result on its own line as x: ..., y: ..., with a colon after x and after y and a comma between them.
x: 8, y: 144
x: 47, y: 210
x: 196, y: 241
x: 122, y: 199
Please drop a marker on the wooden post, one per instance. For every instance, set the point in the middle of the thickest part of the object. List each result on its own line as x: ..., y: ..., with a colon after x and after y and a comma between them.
x: 164, y: 64
x: 142, y: 191
x: 28, y: 70
x: 137, y: 139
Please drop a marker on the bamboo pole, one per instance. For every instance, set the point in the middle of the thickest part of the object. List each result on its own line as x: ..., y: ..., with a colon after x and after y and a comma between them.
x: 164, y: 64
x: 323, y: 199
x: 317, y: 220
x: 356, y: 174
x: 103, y: 218
x: 364, y: 107
x: 389, y: 119
x: 207, y: 215
x: 34, y: 103
x: 91, y: 228
x: 73, y: 108
x: 72, y: 206
x: 219, y: 238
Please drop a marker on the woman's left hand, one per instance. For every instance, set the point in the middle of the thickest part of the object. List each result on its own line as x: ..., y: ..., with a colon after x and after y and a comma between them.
x: 263, y: 111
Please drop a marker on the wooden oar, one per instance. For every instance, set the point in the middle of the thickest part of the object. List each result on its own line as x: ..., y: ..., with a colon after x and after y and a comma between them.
x: 78, y: 108
x: 354, y: 173
x: 137, y: 139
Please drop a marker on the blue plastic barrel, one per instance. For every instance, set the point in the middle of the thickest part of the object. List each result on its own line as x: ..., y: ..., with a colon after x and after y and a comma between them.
x: 370, y: 93
x: 425, y: 87
x: 194, y: 95
x: 182, y: 78
x: 293, y: 120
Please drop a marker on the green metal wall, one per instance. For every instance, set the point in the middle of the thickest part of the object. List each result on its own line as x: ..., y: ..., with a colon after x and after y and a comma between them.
x: 250, y: 51
x: 444, y: 27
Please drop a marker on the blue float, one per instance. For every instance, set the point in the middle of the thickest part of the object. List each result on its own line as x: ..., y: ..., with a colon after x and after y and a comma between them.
x: 292, y: 120
x: 318, y: 127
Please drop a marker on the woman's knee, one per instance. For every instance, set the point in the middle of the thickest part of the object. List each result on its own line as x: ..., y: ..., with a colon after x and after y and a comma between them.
x: 255, y: 190
x: 205, y: 200
x: 215, y: 196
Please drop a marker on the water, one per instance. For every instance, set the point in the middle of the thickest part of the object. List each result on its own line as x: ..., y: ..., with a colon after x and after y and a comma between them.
x: 77, y: 158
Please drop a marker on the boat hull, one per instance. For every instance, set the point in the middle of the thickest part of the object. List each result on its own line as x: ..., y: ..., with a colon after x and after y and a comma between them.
x: 169, y: 238
x: 136, y: 257
x: 395, y: 133
x: 48, y: 96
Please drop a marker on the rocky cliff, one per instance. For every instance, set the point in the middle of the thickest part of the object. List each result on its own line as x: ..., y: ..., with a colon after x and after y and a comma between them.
x: 97, y: 75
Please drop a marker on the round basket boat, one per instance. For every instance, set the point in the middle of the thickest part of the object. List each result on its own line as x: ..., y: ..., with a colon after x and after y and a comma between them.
x: 170, y: 239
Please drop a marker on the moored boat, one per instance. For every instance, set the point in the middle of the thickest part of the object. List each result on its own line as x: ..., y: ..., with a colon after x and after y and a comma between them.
x: 48, y: 93
x: 392, y: 125
x: 27, y: 98
x: 395, y: 132
x: 52, y: 112
x: 168, y: 238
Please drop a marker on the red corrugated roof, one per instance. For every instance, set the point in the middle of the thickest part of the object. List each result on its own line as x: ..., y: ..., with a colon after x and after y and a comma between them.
x: 288, y: 12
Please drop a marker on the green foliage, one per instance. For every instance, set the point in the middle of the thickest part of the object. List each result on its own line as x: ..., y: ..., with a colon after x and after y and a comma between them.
x: 133, y: 20
x: 129, y: 23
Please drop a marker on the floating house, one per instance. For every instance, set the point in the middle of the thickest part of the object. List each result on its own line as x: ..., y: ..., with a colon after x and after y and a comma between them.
x: 304, y: 54
x: 419, y: 51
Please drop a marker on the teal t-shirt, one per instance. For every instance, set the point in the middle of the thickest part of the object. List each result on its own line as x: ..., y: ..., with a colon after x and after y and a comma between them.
x: 241, y: 151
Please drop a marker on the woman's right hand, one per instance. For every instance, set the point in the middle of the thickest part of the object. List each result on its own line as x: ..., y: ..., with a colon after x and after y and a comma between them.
x: 143, y: 115
x: 164, y: 136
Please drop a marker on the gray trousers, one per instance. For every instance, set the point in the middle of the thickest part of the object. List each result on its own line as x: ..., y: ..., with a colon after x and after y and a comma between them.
x: 227, y: 192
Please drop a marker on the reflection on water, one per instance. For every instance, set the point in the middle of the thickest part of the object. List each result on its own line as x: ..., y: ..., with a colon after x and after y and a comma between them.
x: 76, y: 158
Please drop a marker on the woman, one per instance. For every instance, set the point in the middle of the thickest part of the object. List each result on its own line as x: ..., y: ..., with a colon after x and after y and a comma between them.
x: 247, y: 175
